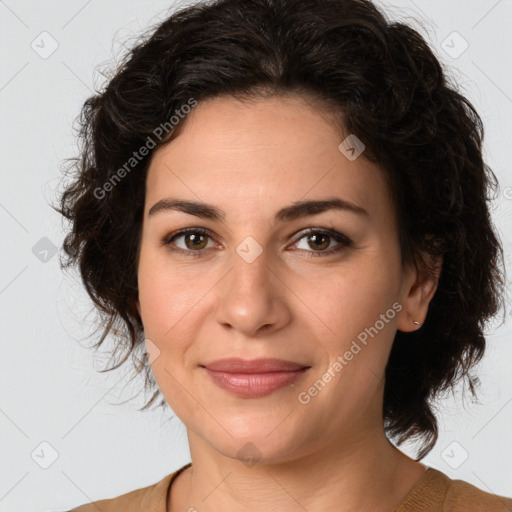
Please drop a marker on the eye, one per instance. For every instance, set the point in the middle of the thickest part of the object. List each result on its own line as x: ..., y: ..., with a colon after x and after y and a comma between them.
x: 317, y: 242
x: 322, y: 242
x: 194, y: 240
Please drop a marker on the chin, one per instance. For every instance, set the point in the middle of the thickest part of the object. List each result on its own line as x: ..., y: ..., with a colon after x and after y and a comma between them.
x: 257, y: 442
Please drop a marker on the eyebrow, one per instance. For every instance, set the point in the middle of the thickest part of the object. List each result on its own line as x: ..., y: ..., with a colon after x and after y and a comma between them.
x: 294, y: 211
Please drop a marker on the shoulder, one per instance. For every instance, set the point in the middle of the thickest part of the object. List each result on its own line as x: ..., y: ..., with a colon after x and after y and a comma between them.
x: 437, y: 492
x: 150, y: 498
x: 461, y: 495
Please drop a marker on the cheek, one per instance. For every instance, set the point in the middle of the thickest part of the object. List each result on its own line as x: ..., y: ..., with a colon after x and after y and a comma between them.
x: 173, y: 309
x: 360, y: 307
x: 166, y: 295
x: 169, y: 318
x: 357, y: 295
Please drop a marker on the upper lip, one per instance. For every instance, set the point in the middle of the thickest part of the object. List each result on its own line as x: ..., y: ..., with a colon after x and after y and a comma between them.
x: 237, y: 365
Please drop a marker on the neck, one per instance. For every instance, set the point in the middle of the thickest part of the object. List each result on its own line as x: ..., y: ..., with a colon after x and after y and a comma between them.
x: 360, y: 472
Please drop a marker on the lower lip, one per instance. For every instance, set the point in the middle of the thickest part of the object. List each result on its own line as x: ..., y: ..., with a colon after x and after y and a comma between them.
x: 253, y: 385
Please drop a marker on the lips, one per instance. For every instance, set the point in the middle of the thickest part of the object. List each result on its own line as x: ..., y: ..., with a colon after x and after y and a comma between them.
x: 256, y: 378
x: 237, y: 365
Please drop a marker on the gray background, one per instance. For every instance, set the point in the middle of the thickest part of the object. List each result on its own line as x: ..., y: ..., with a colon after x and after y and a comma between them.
x: 50, y: 391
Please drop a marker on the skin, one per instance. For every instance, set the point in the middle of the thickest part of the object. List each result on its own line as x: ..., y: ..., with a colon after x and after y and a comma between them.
x: 250, y: 160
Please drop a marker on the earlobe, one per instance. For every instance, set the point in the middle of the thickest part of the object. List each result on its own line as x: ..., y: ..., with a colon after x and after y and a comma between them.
x: 419, y: 288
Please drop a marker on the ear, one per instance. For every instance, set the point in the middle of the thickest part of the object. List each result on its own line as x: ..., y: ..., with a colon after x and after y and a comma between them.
x: 418, y: 288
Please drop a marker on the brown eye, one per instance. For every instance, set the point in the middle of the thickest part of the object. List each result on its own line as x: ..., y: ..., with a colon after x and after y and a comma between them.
x: 190, y: 241
x: 320, y: 241
x: 195, y: 241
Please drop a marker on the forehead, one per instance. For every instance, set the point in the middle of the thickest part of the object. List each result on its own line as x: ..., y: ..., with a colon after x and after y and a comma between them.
x: 260, y: 152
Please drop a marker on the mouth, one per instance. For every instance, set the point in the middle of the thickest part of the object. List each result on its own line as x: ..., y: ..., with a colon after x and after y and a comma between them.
x: 254, y: 378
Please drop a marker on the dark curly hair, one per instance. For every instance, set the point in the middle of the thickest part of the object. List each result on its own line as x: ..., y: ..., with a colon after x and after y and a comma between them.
x: 385, y: 85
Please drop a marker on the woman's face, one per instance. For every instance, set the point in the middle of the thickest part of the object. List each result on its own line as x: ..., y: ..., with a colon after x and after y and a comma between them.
x: 255, y: 285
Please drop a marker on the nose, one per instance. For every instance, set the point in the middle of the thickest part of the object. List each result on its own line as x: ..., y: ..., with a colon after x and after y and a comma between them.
x: 252, y: 298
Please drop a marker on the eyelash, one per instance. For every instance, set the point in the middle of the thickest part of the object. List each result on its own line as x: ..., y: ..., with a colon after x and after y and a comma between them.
x: 343, y: 241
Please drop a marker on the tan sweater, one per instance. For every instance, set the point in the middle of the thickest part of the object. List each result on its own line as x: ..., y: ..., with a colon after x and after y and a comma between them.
x: 435, y: 492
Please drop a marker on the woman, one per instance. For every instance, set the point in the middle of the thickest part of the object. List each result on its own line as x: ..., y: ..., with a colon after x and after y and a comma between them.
x: 285, y: 203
